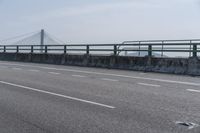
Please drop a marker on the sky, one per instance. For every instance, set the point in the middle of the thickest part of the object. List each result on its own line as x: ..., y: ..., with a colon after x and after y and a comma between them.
x: 102, y: 21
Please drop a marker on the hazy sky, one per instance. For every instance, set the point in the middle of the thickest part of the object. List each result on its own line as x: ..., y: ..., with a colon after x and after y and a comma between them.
x: 102, y: 21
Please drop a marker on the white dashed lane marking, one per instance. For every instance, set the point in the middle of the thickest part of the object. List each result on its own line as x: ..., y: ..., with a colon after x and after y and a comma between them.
x: 16, y: 68
x: 142, y: 73
x: 33, y: 70
x: 151, y: 85
x: 54, y: 73
x: 107, y: 79
x: 109, y: 74
x: 79, y: 76
x: 192, y: 90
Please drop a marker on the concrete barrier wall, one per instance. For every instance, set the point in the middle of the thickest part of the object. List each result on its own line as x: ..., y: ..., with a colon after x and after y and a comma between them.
x: 190, y: 66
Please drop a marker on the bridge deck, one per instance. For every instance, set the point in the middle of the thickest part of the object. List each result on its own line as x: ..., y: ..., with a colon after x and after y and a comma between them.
x: 51, y: 98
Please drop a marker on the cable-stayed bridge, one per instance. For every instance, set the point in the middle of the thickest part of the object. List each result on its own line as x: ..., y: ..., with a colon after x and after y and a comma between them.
x: 33, y: 38
x: 42, y: 41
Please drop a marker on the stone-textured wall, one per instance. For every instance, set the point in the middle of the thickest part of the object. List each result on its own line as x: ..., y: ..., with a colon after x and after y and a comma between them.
x: 190, y: 66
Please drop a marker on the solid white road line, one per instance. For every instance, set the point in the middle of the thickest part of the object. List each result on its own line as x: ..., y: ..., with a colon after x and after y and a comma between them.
x: 32, y: 70
x: 107, y: 79
x: 79, y: 76
x: 56, y: 94
x: 152, y: 85
x: 192, y: 90
x: 108, y: 74
x: 54, y: 73
x: 16, y: 68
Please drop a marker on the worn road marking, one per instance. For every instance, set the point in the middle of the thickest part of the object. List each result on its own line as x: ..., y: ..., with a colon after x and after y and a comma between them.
x: 56, y: 94
x: 142, y: 73
x: 192, y: 90
x: 108, y: 74
x: 3, y: 67
x: 80, y: 76
x: 54, y: 73
x: 32, y: 70
x: 152, y: 85
x: 107, y: 79
x: 16, y: 68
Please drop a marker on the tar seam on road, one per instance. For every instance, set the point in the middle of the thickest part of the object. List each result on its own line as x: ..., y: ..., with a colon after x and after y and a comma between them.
x: 152, y: 85
x: 59, y: 95
x: 109, y: 74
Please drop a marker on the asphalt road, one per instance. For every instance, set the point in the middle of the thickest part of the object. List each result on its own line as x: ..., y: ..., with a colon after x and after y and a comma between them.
x: 41, y: 98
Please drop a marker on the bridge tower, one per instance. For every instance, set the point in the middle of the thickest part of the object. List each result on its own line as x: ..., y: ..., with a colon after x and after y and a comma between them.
x: 42, y: 40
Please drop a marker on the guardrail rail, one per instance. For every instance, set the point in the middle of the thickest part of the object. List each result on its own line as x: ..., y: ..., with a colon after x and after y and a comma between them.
x: 192, y: 47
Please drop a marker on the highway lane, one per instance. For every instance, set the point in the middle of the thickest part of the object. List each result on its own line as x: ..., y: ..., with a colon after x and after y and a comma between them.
x: 139, y: 104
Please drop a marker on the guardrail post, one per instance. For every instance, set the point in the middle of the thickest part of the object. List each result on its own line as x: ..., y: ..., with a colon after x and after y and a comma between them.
x: 115, y: 49
x: 4, y: 49
x: 46, y: 49
x: 162, y: 54
x: 17, y: 50
x: 190, y: 53
x: 65, y: 49
x: 87, y: 49
x: 150, y: 50
x: 31, y: 48
x: 139, y: 49
x: 195, y: 50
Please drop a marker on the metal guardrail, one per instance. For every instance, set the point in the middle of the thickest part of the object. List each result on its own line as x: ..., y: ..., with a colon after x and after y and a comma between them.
x: 171, y: 46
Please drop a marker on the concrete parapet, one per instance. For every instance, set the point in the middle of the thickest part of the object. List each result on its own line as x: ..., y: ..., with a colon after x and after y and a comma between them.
x: 193, y: 66
x: 188, y: 66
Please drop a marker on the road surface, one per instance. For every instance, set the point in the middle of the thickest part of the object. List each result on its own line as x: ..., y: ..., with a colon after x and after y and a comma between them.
x: 42, y: 98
